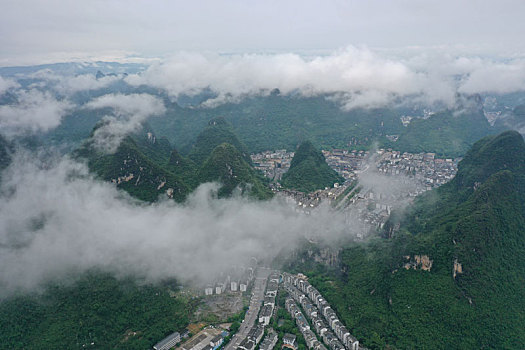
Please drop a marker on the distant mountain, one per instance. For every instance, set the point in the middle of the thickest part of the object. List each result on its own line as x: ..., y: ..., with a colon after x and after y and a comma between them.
x: 452, y: 275
x: 216, y: 133
x: 283, y: 121
x: 309, y: 170
x: 228, y: 166
x: 183, y: 167
x: 448, y: 133
x: 514, y: 120
x: 134, y: 167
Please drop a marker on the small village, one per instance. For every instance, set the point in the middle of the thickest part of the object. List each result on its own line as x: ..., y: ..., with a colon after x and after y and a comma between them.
x: 272, y: 294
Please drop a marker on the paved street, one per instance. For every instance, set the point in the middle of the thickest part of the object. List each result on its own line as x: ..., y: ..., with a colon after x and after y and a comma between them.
x: 256, y: 300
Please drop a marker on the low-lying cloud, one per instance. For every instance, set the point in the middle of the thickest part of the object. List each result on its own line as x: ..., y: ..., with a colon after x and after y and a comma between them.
x: 6, y: 84
x: 56, y: 220
x: 33, y: 111
x: 360, y: 77
x: 128, y: 113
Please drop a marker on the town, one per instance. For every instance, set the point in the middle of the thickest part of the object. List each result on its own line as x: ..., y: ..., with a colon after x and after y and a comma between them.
x: 407, y: 175
x: 275, y: 298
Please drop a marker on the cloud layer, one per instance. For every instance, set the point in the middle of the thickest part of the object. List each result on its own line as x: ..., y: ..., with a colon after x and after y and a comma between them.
x: 89, y: 224
x: 359, y: 77
x: 34, y: 111
x: 128, y: 112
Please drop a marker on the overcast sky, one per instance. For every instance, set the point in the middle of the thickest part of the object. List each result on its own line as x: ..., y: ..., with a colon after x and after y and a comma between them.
x: 36, y: 31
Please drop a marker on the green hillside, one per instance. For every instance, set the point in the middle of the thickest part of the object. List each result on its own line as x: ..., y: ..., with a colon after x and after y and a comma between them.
x: 98, y: 309
x: 309, y: 171
x: 448, y: 133
x: 227, y: 165
x: 471, y: 231
x: 147, y: 167
x: 134, y: 171
x: 217, y: 132
x: 184, y: 168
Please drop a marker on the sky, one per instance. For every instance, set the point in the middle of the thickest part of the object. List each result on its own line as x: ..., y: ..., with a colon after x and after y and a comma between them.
x: 35, y: 31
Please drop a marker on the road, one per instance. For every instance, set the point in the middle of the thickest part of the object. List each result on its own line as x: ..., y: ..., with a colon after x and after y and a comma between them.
x: 261, y: 278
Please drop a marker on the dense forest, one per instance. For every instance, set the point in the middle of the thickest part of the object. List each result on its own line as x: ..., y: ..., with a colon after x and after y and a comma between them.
x: 96, y: 311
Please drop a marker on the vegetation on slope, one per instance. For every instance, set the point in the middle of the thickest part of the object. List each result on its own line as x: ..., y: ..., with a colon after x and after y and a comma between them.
x: 472, y: 230
x: 98, y: 309
x: 216, y: 133
x: 309, y: 170
x: 134, y: 172
x: 448, y: 133
x: 227, y: 165
x: 147, y: 167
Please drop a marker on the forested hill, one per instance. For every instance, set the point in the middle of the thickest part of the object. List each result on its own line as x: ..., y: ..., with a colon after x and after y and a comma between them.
x: 309, y: 170
x: 452, y: 275
x: 227, y: 165
x: 148, y: 167
x: 135, y: 168
x: 216, y: 133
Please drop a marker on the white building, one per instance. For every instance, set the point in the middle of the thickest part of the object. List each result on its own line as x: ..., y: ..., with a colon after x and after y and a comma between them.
x: 168, y: 342
x: 234, y: 285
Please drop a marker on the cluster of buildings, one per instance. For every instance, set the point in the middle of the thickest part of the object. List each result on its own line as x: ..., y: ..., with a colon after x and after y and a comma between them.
x: 236, y: 281
x: 269, y: 341
x: 425, y: 168
x: 304, y: 327
x: 273, y: 164
x: 410, y: 175
x: 345, y: 162
x: 323, y: 318
x: 254, y: 337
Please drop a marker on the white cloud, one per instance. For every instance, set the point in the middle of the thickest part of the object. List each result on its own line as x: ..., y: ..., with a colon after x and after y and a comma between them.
x: 67, y: 84
x: 55, y: 220
x: 364, y: 76
x: 84, y: 82
x: 128, y: 112
x: 6, y: 84
x: 497, y: 77
x: 358, y: 76
x: 34, y: 111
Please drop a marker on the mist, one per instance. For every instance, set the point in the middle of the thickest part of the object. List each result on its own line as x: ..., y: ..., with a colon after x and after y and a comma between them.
x: 128, y: 112
x: 57, y: 220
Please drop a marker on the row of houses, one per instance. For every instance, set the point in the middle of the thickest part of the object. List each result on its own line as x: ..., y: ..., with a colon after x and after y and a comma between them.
x: 269, y: 299
x: 254, y: 337
x: 302, y: 324
x: 256, y: 333
x: 269, y: 341
x: 323, y: 317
